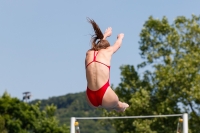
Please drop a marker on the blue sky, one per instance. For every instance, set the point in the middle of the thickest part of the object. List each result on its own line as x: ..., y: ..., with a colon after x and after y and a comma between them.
x: 43, y: 43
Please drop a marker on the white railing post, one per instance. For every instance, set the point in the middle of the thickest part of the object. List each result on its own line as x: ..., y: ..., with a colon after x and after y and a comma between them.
x: 185, y: 123
x: 72, y: 127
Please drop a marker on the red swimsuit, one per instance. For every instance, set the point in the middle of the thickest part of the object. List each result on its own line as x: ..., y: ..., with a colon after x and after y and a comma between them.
x: 96, y: 97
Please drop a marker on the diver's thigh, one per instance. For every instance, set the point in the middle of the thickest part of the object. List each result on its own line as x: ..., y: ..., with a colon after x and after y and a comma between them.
x: 110, y: 99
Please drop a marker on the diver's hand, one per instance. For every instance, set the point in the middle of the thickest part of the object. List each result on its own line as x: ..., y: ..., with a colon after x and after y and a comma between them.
x: 120, y: 36
x: 108, y: 32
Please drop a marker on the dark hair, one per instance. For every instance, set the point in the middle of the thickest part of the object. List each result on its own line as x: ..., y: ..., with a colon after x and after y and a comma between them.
x: 97, y: 39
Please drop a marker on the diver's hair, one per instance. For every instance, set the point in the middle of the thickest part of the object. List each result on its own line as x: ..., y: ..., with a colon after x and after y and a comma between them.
x: 97, y: 39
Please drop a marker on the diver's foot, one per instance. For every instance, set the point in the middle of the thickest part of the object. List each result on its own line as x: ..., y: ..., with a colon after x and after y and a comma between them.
x: 124, y: 106
x: 121, y: 107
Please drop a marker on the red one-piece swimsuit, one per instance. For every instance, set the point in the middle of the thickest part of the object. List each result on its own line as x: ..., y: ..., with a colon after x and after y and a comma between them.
x: 96, y: 97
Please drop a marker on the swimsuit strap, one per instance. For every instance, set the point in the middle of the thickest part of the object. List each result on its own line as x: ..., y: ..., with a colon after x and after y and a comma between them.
x: 103, y: 64
x: 95, y: 55
x: 94, y: 60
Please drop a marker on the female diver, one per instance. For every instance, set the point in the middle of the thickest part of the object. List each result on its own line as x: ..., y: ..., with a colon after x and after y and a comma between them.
x: 97, y: 62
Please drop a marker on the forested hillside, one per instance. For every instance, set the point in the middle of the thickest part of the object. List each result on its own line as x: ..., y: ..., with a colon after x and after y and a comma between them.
x: 75, y: 105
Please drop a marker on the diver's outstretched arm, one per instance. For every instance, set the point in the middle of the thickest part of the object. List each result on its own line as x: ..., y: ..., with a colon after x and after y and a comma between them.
x: 118, y: 43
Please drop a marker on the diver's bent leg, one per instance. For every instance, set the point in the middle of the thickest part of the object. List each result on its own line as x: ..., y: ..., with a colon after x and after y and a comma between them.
x: 111, y: 101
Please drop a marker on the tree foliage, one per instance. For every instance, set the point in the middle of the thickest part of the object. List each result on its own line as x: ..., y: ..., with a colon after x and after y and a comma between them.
x: 20, y: 117
x: 75, y: 105
x: 172, y: 85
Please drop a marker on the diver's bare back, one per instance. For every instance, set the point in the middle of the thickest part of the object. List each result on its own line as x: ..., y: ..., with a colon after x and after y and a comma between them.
x: 97, y: 73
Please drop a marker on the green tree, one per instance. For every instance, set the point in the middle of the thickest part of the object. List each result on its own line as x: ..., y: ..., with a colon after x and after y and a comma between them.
x: 20, y: 117
x: 2, y: 125
x: 172, y: 85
